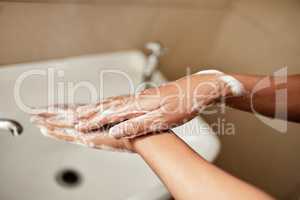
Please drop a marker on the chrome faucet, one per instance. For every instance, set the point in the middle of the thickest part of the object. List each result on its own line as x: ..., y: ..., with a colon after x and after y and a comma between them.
x: 11, y: 125
x: 156, y: 50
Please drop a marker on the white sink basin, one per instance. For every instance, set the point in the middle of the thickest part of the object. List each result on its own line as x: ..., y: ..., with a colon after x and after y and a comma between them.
x: 30, y: 163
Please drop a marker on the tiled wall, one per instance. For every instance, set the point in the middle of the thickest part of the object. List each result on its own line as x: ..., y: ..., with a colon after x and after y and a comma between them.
x: 256, y: 36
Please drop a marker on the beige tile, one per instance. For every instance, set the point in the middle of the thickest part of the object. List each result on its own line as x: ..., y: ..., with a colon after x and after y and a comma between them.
x: 189, y: 34
x: 259, y: 37
x: 164, y: 3
x: 41, y: 31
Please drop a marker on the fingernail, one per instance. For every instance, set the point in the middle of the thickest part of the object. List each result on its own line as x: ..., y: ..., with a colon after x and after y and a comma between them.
x: 44, y: 131
x: 106, y: 113
x: 77, y: 127
x: 81, y: 126
x: 115, y: 132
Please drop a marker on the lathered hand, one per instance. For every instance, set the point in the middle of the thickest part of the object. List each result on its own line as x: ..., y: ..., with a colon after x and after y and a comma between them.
x: 59, y: 122
x: 158, y: 109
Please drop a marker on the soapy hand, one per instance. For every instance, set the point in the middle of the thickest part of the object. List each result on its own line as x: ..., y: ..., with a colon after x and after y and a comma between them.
x: 157, y: 109
x: 59, y: 121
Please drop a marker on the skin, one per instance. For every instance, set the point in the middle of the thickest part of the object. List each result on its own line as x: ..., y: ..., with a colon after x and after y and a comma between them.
x: 175, y: 103
x: 61, y: 126
x: 264, y: 100
x: 197, y: 177
x: 154, y: 109
x: 187, y: 176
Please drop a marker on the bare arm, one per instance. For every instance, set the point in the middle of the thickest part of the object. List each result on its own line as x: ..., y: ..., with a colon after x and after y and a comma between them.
x: 186, y: 174
x: 174, y: 103
x: 264, y: 100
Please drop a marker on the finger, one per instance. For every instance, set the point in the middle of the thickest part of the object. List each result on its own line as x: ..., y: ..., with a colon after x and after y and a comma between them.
x: 61, y: 133
x: 64, y: 119
x: 102, y: 120
x: 52, y: 110
x: 105, y: 142
x: 115, y: 112
x: 150, y: 122
x: 37, y: 120
x: 58, y: 134
x: 87, y: 111
x: 52, y: 131
x: 98, y: 139
x: 60, y: 122
x: 123, y: 109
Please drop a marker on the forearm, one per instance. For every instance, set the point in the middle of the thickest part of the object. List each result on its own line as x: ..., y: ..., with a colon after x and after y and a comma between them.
x: 264, y: 100
x: 186, y: 174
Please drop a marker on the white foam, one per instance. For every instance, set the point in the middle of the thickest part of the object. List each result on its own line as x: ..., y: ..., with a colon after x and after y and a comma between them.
x: 236, y: 86
x: 210, y: 71
x: 107, y: 112
x: 44, y: 131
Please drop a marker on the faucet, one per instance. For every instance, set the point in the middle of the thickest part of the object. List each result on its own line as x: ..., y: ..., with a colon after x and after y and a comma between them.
x: 156, y: 50
x: 11, y: 125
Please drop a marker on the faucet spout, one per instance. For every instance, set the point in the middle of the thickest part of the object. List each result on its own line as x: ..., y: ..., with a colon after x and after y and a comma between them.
x: 11, y: 125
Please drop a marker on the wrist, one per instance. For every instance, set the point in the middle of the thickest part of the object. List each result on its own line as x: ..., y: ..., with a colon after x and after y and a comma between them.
x: 211, y: 86
x: 226, y: 84
x: 137, y: 143
x: 146, y: 143
x: 232, y: 86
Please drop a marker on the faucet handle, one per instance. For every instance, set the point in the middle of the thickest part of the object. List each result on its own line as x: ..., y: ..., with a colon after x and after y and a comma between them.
x: 156, y: 48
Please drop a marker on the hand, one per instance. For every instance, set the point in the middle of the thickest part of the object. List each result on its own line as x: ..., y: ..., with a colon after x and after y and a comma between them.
x: 155, y: 109
x: 58, y: 122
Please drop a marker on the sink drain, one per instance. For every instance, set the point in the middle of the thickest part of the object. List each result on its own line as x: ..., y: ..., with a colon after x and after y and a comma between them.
x: 68, y: 178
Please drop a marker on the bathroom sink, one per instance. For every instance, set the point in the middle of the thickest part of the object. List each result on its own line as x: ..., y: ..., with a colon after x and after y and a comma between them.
x: 35, y: 167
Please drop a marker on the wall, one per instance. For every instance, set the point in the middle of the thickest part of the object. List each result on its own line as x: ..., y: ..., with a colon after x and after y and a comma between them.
x: 236, y: 36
